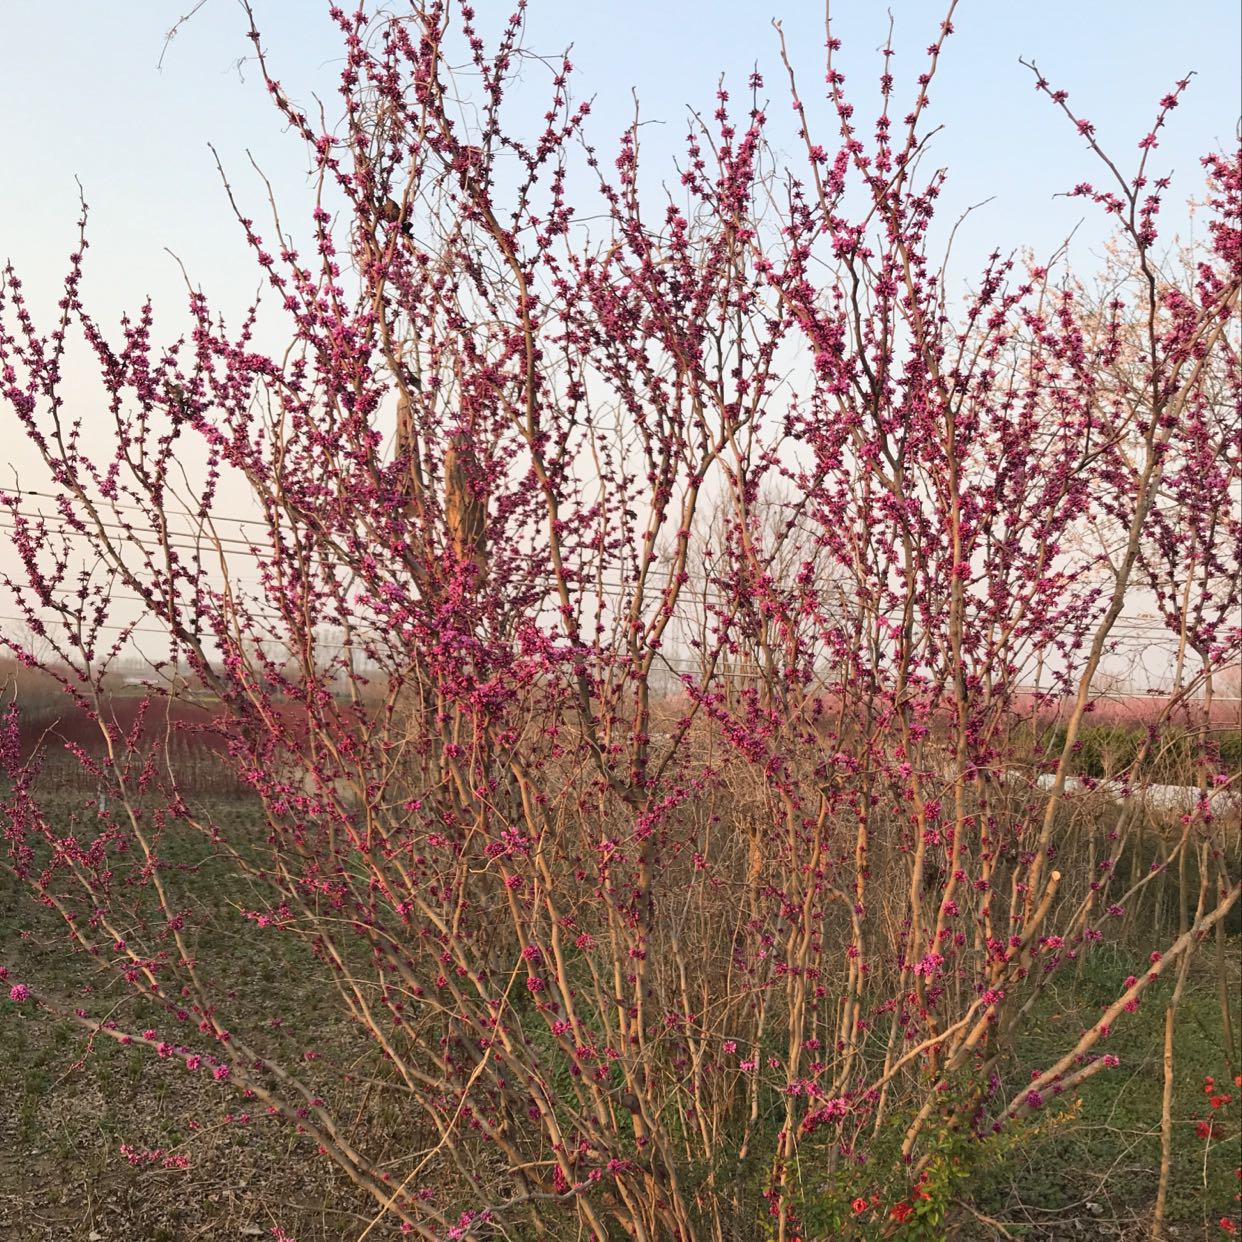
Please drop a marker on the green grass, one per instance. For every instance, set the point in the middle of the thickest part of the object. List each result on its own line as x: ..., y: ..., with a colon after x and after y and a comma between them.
x: 1102, y: 1145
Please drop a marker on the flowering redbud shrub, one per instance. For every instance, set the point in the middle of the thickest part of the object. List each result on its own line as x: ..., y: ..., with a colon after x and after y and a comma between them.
x: 1216, y: 1127
x: 629, y: 660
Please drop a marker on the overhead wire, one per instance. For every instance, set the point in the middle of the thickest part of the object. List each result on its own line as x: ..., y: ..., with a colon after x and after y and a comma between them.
x: 252, y: 548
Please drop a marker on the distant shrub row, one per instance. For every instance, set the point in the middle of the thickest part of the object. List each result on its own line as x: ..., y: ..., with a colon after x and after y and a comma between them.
x: 1172, y: 759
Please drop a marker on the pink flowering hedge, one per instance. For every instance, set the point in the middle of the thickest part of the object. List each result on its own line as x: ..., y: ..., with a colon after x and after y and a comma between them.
x: 633, y: 685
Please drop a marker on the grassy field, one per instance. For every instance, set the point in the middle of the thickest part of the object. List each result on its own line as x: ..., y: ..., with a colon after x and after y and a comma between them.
x: 63, y: 1174
x: 203, y: 1164
x: 1091, y: 1164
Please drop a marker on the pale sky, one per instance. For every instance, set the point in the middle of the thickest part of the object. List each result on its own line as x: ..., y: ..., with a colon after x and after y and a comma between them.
x: 82, y: 97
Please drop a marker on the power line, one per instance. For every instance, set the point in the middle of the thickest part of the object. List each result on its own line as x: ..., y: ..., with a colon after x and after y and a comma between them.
x: 659, y: 574
x: 114, y: 504
x: 701, y: 590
